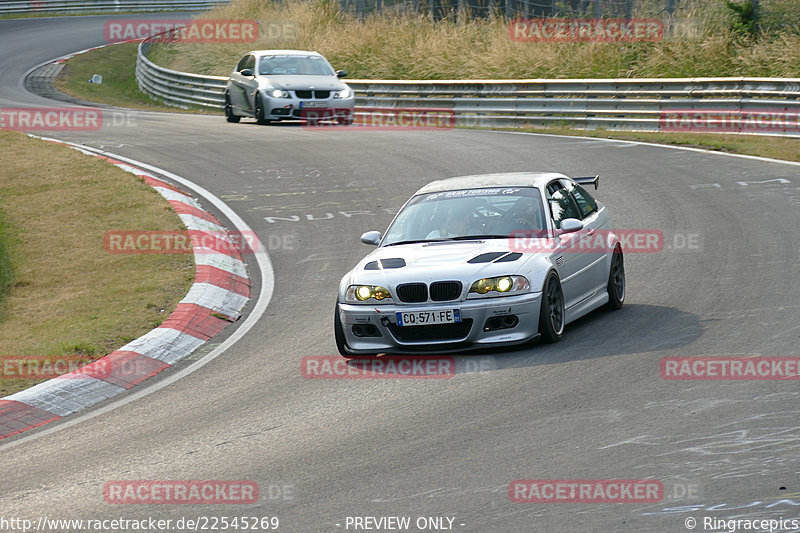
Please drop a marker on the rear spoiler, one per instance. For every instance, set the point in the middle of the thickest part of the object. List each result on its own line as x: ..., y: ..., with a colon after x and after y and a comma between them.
x: 588, y: 180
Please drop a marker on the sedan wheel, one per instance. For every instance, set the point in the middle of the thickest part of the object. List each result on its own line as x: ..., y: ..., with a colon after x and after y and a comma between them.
x: 261, y: 117
x: 229, y: 116
x: 551, y: 315
x: 616, y: 281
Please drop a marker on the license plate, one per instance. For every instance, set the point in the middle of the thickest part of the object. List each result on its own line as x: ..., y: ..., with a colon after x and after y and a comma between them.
x: 305, y: 105
x: 427, y: 318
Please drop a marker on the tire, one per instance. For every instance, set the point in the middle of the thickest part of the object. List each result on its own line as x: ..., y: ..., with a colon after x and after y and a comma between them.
x: 616, y: 281
x: 260, y: 118
x: 551, y: 315
x: 229, y: 116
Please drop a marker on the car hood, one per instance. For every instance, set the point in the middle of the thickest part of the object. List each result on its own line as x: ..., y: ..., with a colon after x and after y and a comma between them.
x: 304, y: 83
x: 465, y: 261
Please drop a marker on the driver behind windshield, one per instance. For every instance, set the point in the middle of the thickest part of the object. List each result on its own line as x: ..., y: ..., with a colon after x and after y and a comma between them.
x: 455, y: 223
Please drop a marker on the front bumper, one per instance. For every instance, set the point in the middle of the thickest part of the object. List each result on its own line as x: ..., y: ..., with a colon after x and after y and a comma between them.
x: 297, y: 108
x: 470, y: 334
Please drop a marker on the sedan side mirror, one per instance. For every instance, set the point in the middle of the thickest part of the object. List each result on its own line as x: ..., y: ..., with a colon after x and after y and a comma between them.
x: 341, y: 74
x: 571, y: 225
x: 371, y: 237
x: 247, y: 72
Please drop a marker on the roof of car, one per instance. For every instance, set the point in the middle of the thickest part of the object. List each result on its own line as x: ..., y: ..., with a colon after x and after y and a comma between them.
x: 283, y: 53
x: 505, y: 179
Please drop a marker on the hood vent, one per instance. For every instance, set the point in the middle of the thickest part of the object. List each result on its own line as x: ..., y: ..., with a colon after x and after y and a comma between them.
x: 487, y: 257
x: 394, y: 262
x: 497, y: 257
x: 510, y: 257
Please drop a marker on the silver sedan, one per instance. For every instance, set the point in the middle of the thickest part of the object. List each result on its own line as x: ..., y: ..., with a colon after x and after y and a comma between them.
x: 481, y: 261
x: 287, y: 84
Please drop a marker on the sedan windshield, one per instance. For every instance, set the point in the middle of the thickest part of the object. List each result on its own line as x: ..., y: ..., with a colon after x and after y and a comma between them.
x: 470, y: 213
x: 294, y: 66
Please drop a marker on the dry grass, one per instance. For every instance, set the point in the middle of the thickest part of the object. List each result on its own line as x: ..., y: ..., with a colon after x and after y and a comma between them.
x: 70, y: 297
x: 410, y: 46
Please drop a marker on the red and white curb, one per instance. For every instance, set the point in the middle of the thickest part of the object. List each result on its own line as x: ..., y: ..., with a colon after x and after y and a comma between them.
x: 219, y: 293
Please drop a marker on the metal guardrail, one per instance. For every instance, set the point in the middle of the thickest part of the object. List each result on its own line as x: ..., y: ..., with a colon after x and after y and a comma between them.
x: 619, y: 104
x: 34, y: 7
x: 180, y: 89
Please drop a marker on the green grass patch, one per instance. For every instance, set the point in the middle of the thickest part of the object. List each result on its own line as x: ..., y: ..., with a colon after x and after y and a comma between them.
x: 67, y: 295
x: 117, y: 65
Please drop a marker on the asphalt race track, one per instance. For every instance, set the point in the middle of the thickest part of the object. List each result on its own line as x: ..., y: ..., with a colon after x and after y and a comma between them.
x: 593, y: 406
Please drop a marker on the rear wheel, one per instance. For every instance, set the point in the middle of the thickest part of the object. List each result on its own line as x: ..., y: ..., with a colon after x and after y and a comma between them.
x: 551, y: 315
x: 616, y: 281
x: 261, y: 116
x: 229, y: 116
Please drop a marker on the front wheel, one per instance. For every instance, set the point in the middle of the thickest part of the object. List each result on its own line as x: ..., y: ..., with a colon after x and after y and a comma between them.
x: 616, y: 281
x: 229, y: 115
x: 261, y: 116
x: 551, y: 315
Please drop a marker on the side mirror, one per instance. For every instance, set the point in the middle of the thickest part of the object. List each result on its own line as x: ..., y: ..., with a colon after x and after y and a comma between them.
x: 341, y: 74
x: 571, y: 225
x: 371, y: 237
x: 247, y: 72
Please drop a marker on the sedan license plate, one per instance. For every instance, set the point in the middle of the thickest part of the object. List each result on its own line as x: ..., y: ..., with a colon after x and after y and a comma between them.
x: 305, y: 105
x: 427, y: 318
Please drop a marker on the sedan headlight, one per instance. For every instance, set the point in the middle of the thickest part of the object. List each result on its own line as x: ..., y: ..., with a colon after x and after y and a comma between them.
x: 499, y: 286
x: 362, y: 293
x: 277, y: 93
x: 344, y: 93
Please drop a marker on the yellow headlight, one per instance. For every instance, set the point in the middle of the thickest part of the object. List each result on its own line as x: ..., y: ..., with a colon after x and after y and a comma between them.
x: 363, y: 292
x: 482, y: 286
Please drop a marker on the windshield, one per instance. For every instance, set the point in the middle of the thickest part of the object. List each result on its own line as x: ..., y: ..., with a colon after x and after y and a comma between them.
x: 479, y: 213
x: 294, y: 66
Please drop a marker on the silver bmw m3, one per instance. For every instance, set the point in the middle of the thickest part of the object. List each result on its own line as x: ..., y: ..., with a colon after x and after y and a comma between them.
x: 481, y: 261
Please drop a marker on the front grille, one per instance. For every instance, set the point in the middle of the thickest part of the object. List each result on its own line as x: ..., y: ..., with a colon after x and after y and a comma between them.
x: 442, y: 291
x: 412, y: 292
x: 435, y: 332
x: 313, y: 94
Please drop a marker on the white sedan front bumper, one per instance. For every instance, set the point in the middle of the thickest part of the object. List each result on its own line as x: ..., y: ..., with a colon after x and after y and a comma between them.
x: 374, y: 329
